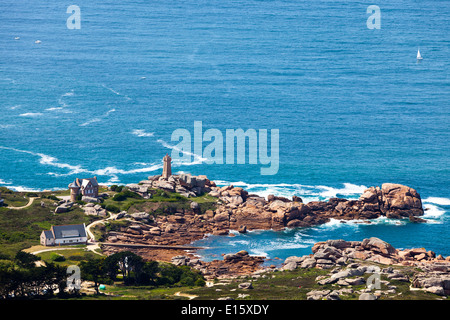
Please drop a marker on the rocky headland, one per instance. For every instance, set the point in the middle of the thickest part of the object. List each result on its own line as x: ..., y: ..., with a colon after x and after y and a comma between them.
x: 238, y: 210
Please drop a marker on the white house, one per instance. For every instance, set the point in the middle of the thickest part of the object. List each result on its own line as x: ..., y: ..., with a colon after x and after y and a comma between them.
x: 64, y: 235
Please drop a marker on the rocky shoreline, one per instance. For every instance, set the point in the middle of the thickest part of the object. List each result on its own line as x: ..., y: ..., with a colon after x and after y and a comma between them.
x: 236, y: 209
x: 241, y: 211
x: 348, y: 261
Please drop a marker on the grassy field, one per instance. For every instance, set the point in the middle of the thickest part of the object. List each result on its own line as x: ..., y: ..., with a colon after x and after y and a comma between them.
x: 284, y: 285
x: 294, y: 285
x: 13, y: 199
x: 69, y: 256
x: 20, y: 229
x: 161, y: 203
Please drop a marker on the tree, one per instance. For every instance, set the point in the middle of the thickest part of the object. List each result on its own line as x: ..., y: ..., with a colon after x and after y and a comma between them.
x: 94, y: 270
x: 126, y: 262
x: 148, y: 273
x: 25, y: 259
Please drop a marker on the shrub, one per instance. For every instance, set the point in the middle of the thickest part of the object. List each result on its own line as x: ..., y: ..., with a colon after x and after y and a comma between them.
x: 51, y: 197
x: 57, y: 257
x: 5, y: 190
x: 112, y: 208
x: 116, y: 188
x: 32, y: 195
x: 121, y: 196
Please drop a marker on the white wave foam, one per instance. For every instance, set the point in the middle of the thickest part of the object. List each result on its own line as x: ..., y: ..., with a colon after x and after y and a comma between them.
x: 77, y: 169
x: 432, y: 211
x: 68, y: 94
x: 23, y: 189
x: 349, y: 189
x: 307, y: 192
x: 258, y: 252
x: 31, y: 114
x: 197, y: 159
x: 437, y: 200
x: 142, y: 133
x: 116, y: 92
x: 4, y: 182
x: 239, y: 242
x: 108, y: 171
x: 48, y: 160
x: 338, y: 223
x: 97, y: 119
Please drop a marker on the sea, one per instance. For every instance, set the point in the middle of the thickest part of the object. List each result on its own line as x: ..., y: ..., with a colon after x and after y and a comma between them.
x: 353, y: 106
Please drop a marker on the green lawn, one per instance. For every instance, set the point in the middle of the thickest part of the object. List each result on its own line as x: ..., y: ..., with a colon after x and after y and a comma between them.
x: 72, y: 256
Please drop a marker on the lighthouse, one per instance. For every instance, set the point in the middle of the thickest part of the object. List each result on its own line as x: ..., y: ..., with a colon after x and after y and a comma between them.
x: 167, y: 167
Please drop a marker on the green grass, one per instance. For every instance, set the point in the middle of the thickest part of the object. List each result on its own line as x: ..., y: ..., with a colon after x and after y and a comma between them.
x: 122, y: 292
x: 294, y: 285
x: 15, y: 199
x: 20, y: 229
x: 161, y: 203
x: 72, y: 256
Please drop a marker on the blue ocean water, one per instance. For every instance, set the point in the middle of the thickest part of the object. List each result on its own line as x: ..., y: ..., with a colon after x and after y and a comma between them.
x: 353, y: 106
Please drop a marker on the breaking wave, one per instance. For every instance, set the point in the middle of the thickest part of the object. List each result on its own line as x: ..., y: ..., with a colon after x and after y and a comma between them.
x: 142, y: 133
x: 307, y: 192
x: 437, y: 200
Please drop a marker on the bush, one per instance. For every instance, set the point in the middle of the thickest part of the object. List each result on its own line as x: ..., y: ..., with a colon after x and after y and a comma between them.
x: 51, y: 197
x: 57, y: 257
x: 116, y: 188
x: 5, y: 190
x: 112, y: 208
x: 121, y: 196
x: 32, y: 195
x: 171, y: 275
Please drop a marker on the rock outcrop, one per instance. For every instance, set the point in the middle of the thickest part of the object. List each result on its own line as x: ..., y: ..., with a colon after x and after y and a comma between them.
x: 236, y: 209
x: 255, y: 212
x: 345, y: 258
x: 240, y: 263
x: 184, y: 184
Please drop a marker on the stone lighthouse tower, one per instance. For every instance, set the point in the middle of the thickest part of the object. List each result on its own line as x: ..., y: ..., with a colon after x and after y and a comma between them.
x: 167, y: 168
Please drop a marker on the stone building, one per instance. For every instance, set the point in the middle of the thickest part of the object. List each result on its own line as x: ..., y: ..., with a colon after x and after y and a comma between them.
x: 85, y: 187
x: 167, y: 167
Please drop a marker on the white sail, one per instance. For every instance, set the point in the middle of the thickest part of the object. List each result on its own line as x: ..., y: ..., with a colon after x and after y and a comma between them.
x: 419, y: 57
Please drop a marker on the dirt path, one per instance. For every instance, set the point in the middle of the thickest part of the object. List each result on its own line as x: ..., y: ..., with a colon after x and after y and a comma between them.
x: 53, y: 249
x: 189, y: 296
x: 93, y: 245
x: 30, y: 202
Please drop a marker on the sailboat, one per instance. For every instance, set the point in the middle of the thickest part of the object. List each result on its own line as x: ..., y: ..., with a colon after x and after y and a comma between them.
x: 419, y: 57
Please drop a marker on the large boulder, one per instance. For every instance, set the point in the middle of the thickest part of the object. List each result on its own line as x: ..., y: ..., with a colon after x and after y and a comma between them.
x: 140, y: 215
x: 378, y: 245
x: 401, y: 200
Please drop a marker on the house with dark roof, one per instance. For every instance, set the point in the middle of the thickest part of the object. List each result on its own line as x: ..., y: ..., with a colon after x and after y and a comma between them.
x: 85, y: 187
x: 64, y: 235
